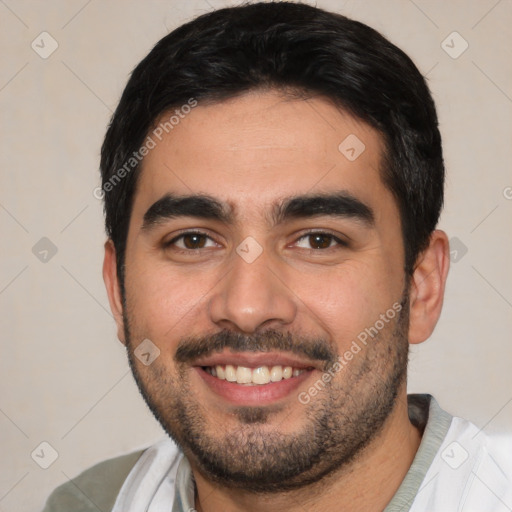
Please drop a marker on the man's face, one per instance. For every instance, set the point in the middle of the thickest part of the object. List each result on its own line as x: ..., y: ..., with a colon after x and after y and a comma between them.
x: 266, y: 286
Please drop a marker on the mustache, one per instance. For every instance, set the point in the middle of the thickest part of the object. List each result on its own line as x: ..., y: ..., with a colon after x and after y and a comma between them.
x: 316, y: 349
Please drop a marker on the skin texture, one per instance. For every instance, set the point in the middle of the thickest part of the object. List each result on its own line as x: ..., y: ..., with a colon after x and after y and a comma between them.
x: 249, y: 153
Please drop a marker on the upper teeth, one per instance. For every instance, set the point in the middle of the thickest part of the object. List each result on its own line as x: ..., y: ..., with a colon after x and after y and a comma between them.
x: 260, y: 375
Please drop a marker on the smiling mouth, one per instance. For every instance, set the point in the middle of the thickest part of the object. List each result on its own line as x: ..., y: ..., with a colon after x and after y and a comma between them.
x: 258, y: 376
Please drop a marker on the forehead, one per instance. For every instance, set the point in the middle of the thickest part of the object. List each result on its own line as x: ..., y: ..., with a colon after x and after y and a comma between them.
x: 250, y: 150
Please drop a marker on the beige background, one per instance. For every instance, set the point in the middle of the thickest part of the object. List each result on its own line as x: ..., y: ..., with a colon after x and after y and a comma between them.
x: 64, y: 377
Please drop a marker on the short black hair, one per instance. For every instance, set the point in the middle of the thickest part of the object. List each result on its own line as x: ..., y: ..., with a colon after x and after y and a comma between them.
x: 296, y: 49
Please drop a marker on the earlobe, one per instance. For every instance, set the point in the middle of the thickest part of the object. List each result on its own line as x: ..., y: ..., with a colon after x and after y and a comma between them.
x: 112, y: 285
x: 427, y: 287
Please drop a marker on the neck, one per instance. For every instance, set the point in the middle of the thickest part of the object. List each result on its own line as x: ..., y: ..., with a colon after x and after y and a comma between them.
x: 367, y: 483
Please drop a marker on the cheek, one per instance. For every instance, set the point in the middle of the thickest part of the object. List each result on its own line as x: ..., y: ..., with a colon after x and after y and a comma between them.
x: 164, y: 304
x: 347, y: 301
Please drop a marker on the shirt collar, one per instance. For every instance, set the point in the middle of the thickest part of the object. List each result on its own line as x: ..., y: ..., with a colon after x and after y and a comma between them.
x: 184, y: 498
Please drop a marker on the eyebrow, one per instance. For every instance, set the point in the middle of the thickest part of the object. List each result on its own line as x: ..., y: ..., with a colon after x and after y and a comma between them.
x: 340, y: 204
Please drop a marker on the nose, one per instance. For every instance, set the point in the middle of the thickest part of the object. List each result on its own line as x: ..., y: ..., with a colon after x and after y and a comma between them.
x: 252, y: 296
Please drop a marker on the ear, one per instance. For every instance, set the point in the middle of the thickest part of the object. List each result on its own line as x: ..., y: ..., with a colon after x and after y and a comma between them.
x: 113, y: 288
x: 427, y: 287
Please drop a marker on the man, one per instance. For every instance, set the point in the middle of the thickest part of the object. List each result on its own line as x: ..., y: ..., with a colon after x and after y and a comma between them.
x: 273, y: 177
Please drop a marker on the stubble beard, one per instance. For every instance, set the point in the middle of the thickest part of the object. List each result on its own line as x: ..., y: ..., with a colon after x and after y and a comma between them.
x: 339, y: 422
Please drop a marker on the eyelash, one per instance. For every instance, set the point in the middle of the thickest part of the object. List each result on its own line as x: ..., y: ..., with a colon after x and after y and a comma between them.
x: 339, y: 241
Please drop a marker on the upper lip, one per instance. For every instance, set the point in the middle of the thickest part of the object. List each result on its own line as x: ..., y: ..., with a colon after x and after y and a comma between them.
x: 256, y: 359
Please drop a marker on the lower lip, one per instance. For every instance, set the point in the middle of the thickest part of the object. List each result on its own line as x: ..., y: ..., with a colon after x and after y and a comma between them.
x: 260, y: 394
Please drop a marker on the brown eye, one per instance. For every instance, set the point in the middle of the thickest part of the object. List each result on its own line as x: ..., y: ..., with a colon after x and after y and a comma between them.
x: 320, y: 241
x: 194, y: 241
x: 191, y: 241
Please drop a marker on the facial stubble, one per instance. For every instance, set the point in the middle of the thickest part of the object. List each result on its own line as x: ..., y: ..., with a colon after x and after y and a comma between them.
x: 338, y: 423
